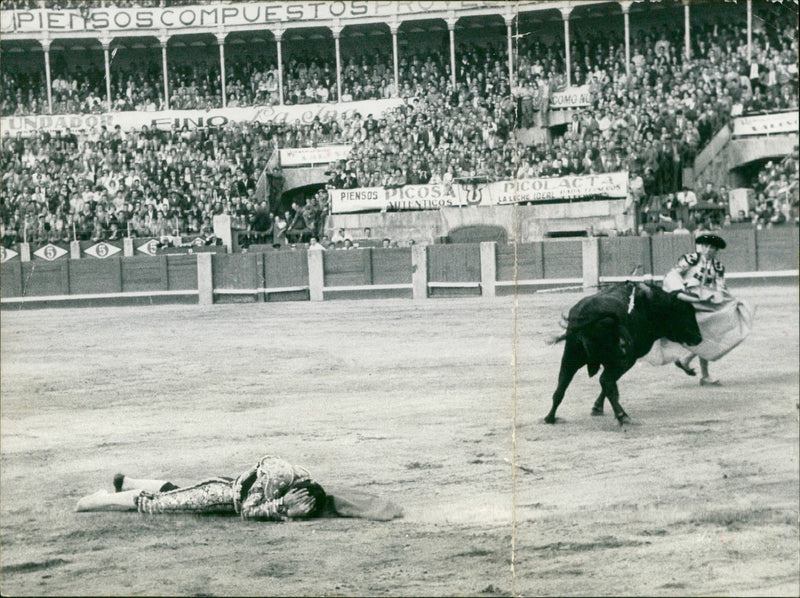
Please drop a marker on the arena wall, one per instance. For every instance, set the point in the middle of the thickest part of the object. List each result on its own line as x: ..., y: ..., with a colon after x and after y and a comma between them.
x: 419, y: 272
x: 523, y: 223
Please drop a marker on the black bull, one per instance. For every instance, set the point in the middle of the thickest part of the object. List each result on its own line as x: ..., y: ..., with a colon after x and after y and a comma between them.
x: 613, y: 329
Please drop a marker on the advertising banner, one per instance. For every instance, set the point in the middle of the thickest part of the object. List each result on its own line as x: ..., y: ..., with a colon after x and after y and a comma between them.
x: 607, y: 185
x: 365, y: 199
x: 302, y: 156
x: 612, y: 185
x: 571, y: 97
x: 95, y: 17
x: 166, y: 119
x: 766, y: 124
x: 408, y: 197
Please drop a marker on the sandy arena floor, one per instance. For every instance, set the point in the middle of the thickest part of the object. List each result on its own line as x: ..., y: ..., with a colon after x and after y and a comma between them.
x: 413, y: 401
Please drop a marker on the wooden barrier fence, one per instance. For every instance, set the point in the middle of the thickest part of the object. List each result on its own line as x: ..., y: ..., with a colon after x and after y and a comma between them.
x: 419, y: 272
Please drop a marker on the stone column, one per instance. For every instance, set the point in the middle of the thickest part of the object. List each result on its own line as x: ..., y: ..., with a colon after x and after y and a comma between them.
x: 221, y: 42
x: 337, y: 31
x: 509, y: 24
x: 278, y: 36
x: 626, y: 9
x: 106, y: 45
x: 394, y: 27
x: 565, y: 11
x: 687, y: 45
x: 451, y: 27
x: 163, y: 41
x: 46, y: 48
x: 749, y: 31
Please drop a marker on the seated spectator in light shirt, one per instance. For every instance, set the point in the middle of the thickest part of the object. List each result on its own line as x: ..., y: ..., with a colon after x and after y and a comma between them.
x: 339, y: 236
x: 687, y: 197
x: 270, y: 87
x: 389, y: 89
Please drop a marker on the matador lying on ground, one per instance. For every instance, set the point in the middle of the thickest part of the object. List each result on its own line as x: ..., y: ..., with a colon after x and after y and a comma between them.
x: 273, y: 490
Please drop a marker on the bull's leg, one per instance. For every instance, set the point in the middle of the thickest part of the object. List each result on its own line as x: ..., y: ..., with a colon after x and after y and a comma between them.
x: 597, y: 408
x: 574, y: 358
x: 607, y: 341
x: 608, y: 380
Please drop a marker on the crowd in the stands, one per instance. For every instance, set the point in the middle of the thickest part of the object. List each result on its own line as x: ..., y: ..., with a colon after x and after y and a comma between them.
x: 146, y: 183
x: 777, y: 196
x: 652, y: 122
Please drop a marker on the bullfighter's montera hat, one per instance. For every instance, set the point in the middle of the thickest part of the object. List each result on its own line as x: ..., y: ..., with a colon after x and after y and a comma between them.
x: 711, y: 239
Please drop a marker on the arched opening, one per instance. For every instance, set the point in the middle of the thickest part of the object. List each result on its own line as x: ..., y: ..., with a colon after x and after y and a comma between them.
x: 77, y: 77
x: 193, y: 69
x: 367, y: 61
x: 23, y: 89
x: 298, y: 195
x: 481, y: 52
x: 251, y: 69
x: 423, y: 55
x: 309, y: 66
x: 597, y: 41
x: 539, y: 46
x: 137, y: 76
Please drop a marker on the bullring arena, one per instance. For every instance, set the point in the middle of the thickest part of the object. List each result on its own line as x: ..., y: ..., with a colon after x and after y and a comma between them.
x: 346, y: 234
x: 419, y: 402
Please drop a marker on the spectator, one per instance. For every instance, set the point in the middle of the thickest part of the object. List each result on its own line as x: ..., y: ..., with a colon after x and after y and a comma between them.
x: 709, y: 194
x: 339, y: 237
x: 315, y: 245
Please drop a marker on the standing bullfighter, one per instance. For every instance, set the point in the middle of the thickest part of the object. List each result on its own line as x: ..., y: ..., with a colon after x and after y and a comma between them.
x: 724, y: 321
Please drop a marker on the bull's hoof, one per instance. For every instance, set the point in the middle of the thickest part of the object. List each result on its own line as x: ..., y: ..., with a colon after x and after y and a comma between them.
x: 597, y: 411
x: 550, y: 419
x: 623, y: 419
